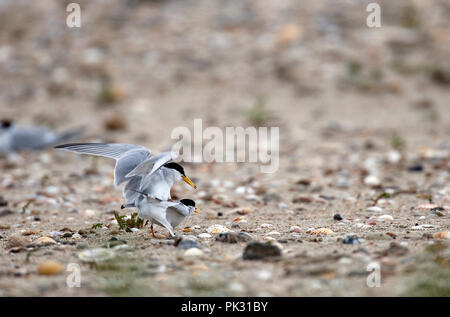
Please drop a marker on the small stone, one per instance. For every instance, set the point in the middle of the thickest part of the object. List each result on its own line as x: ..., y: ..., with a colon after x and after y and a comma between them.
x: 273, y: 233
x: 44, y: 241
x: 186, y: 243
x: 16, y: 241
x: 415, y: 168
x: 269, y: 238
x: 205, y: 236
x: 351, y: 239
x: 337, y: 217
x: 296, y: 229
x: 266, y: 225
x: 244, y: 211
x: 260, y: 251
x: 372, y: 180
x: 233, y: 237
x: 96, y: 255
x: 89, y: 213
x: 374, y: 209
x: 193, y: 252
x: 49, y: 268
x: 385, y: 218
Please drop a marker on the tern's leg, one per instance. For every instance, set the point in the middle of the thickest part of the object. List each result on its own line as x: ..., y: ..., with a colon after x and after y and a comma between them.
x: 153, y: 232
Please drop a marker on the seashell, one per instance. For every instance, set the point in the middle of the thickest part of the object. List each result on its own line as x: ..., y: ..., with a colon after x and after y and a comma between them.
x: 385, y: 218
x: 273, y: 233
x: 295, y: 229
x: 49, y: 268
x: 374, y: 209
x: 442, y: 235
x: 188, y: 229
x: 427, y: 206
x: 96, y: 255
x: 268, y: 238
x: 217, y: 229
x: 266, y: 225
x: 205, y: 236
x: 45, y: 241
x: 244, y: 211
x: 238, y: 219
x: 325, y: 231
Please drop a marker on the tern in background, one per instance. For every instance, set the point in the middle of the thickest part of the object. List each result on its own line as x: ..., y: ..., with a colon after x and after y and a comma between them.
x: 142, y: 173
x: 14, y: 138
x: 167, y: 214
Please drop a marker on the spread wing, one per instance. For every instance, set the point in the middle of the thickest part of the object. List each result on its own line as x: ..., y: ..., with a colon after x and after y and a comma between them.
x: 127, y: 156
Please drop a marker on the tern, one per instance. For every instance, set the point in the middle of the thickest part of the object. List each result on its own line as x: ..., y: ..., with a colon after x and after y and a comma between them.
x: 14, y: 138
x: 142, y: 173
x: 167, y: 214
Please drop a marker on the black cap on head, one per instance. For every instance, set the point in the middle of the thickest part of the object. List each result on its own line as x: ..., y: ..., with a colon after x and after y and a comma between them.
x: 5, y: 123
x: 176, y: 167
x: 188, y: 202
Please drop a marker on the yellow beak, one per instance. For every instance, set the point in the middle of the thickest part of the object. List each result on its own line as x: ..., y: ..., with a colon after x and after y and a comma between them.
x: 187, y: 180
x: 197, y: 211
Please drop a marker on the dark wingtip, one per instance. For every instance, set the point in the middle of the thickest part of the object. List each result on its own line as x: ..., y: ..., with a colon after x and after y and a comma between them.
x: 122, y: 207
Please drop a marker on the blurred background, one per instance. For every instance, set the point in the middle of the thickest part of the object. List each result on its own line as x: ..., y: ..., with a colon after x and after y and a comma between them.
x: 138, y: 68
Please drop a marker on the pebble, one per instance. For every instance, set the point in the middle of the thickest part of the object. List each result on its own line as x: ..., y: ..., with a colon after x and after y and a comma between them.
x: 268, y: 238
x: 273, y: 233
x: 374, y: 209
x: 351, y: 239
x: 89, y: 213
x: 233, y: 237
x: 44, y: 241
x: 372, y: 180
x: 16, y: 241
x: 266, y: 225
x: 296, y: 229
x: 193, y: 252
x: 96, y: 255
x: 385, y: 218
x: 204, y: 236
x: 217, y: 229
x: 135, y: 230
x: 260, y: 251
x: 337, y: 217
x: 49, y: 268
x: 187, y: 243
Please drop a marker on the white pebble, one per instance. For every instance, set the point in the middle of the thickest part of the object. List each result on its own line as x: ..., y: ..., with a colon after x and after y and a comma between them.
x: 204, y: 236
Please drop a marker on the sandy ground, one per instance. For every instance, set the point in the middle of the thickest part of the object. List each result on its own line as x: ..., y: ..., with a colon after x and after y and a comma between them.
x: 361, y: 112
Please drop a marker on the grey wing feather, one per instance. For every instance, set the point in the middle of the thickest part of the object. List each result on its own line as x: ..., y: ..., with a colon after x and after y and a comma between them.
x: 111, y: 150
x: 126, y: 163
x: 130, y: 191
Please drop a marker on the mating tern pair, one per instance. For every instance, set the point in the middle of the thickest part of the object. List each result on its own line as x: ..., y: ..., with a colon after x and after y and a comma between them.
x: 14, y: 138
x: 148, y: 180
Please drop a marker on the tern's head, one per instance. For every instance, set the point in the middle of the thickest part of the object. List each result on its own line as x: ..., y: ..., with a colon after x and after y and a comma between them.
x: 190, y: 204
x: 177, y: 168
x: 5, y: 125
